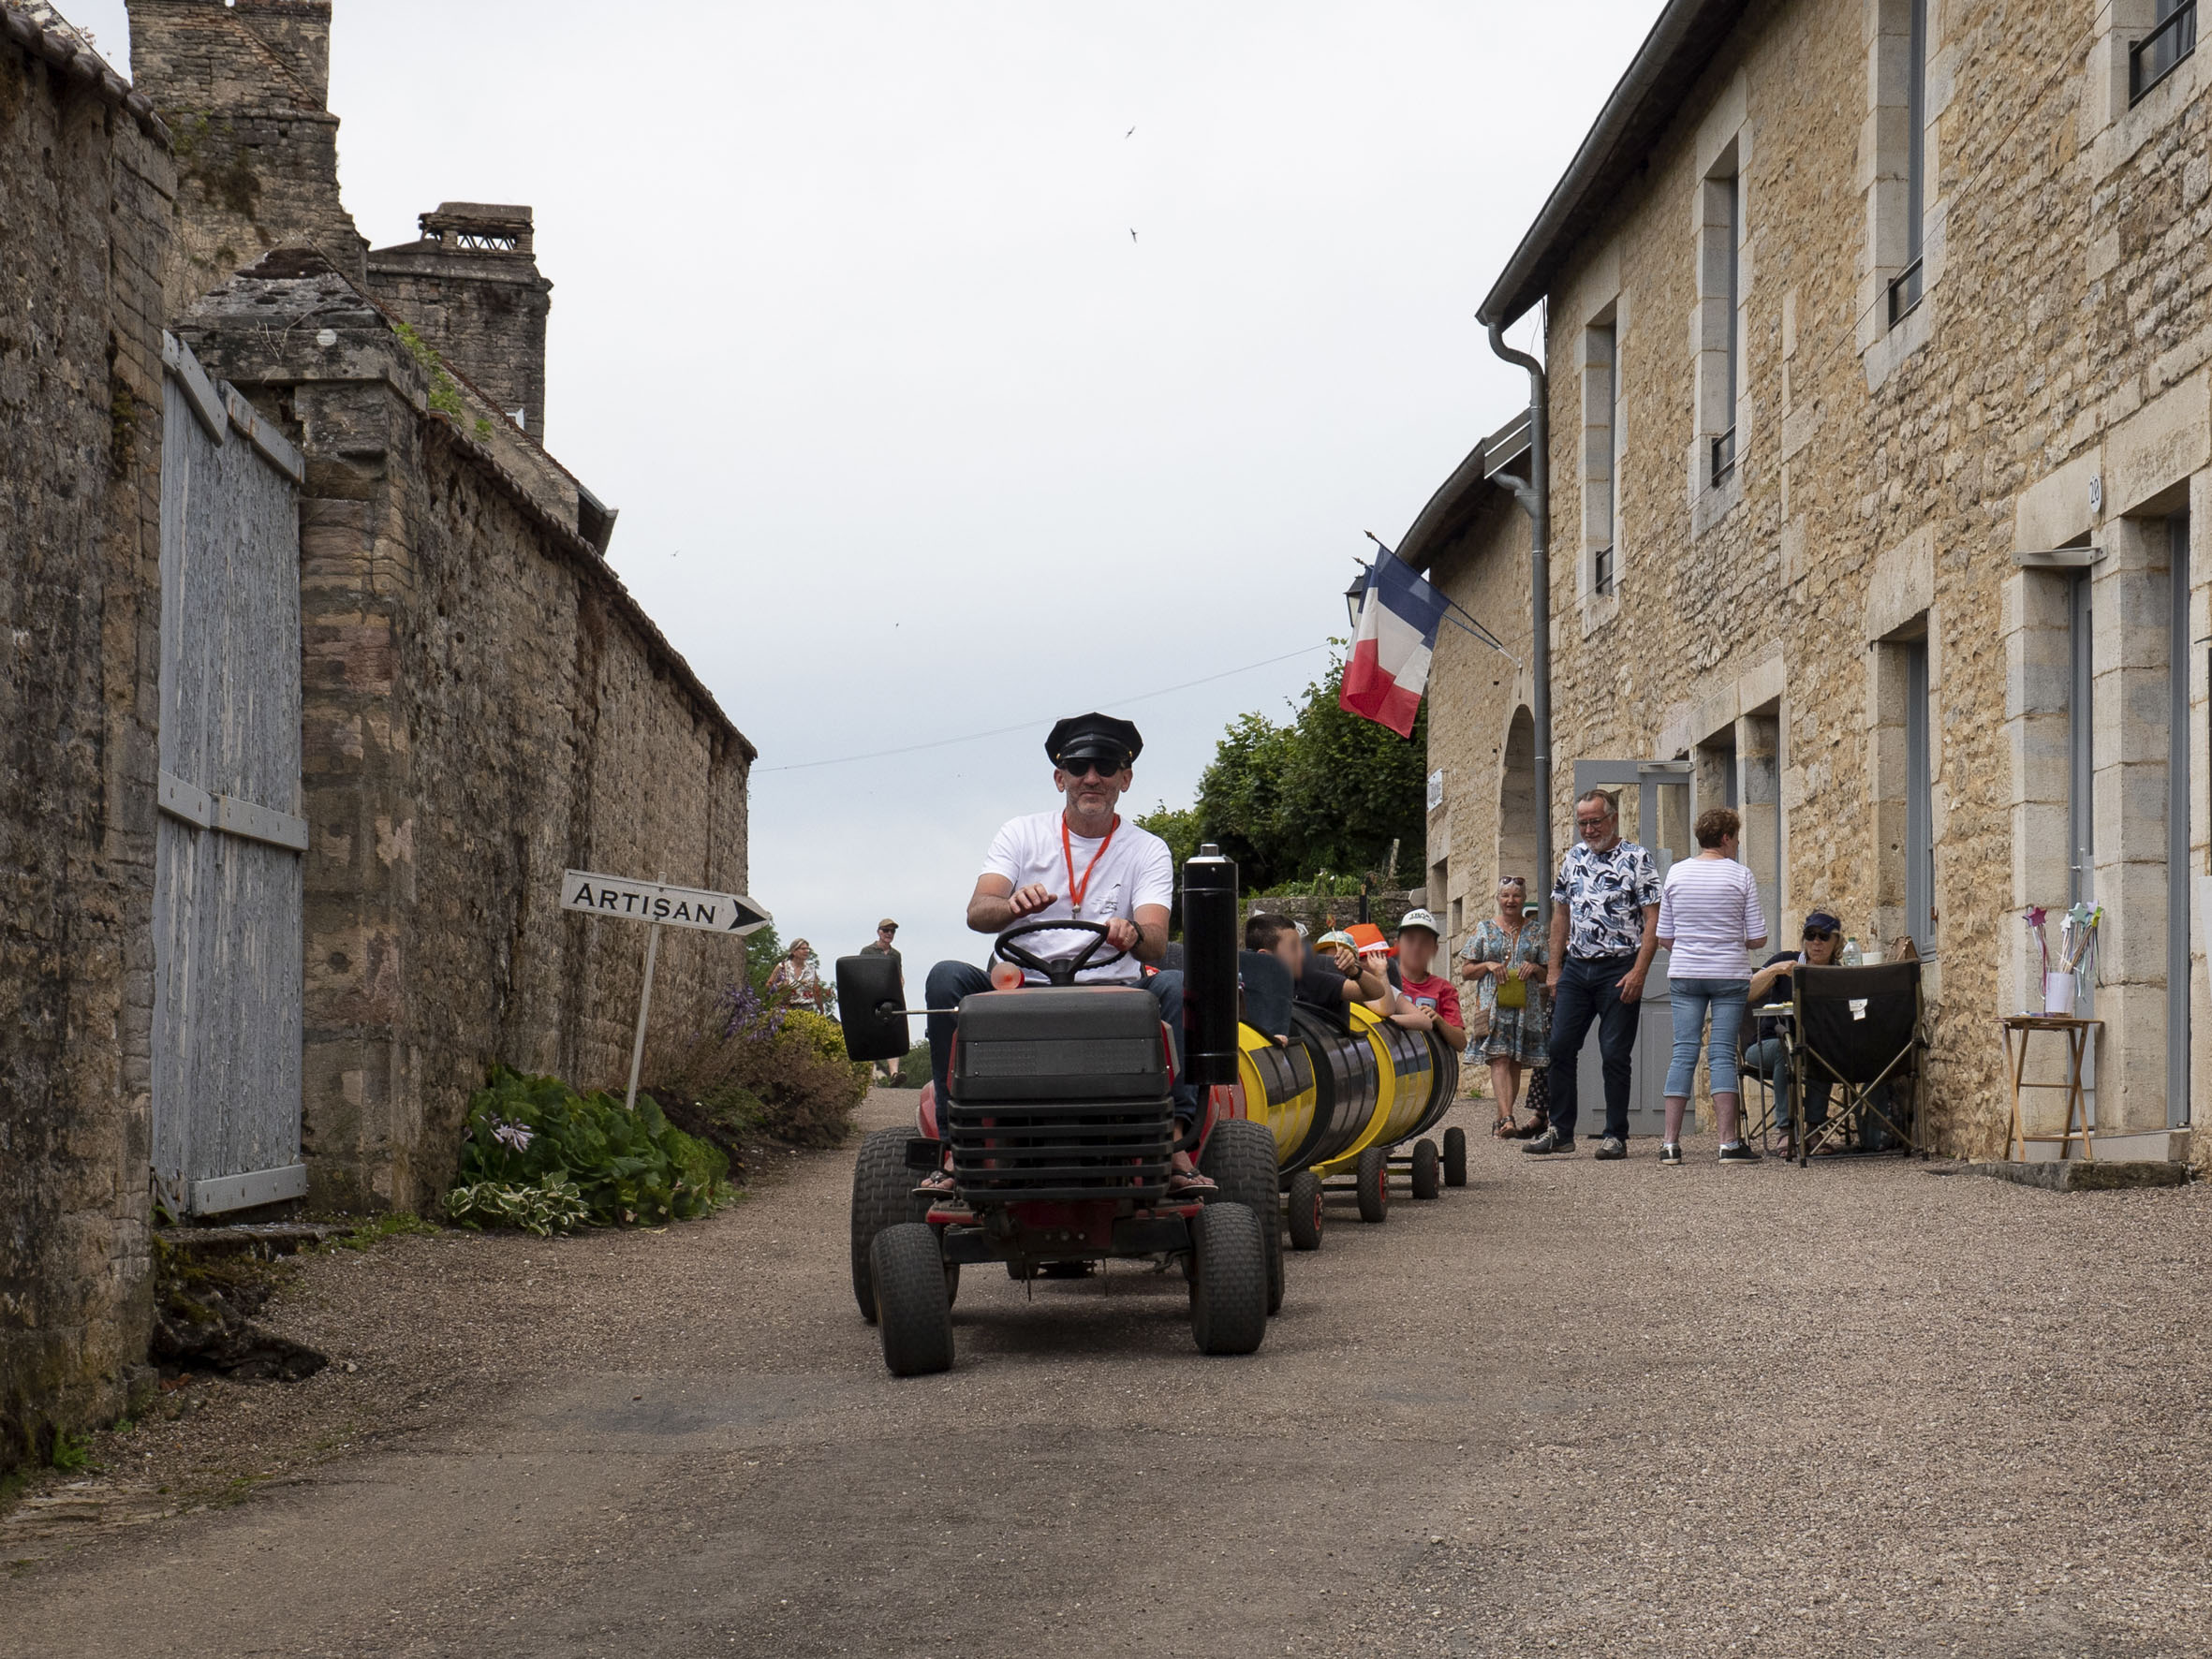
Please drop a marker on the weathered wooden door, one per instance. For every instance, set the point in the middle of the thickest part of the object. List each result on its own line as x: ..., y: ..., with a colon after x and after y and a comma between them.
x: 227, y: 854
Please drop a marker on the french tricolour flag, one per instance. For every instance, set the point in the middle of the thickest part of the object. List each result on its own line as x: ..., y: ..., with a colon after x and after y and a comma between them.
x: 1389, y: 667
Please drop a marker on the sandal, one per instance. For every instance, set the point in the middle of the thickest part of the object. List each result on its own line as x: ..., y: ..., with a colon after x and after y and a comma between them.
x: 1503, y: 1129
x: 1184, y: 1181
x: 938, y: 1186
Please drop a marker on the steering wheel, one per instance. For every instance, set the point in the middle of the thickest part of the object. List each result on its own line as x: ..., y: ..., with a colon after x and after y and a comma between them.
x: 1055, y: 973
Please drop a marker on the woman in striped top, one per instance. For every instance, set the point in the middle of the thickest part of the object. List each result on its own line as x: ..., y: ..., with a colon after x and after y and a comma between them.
x: 1709, y: 912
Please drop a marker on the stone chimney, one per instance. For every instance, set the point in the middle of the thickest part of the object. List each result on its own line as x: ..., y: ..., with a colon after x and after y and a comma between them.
x: 245, y: 89
x: 469, y: 285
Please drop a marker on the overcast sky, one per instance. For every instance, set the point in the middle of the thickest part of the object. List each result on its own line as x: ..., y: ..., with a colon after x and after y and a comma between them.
x: 910, y: 436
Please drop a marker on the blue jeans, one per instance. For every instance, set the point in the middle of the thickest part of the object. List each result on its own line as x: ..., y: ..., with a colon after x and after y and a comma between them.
x: 949, y: 981
x: 1729, y: 999
x: 1769, y: 1058
x: 1589, y: 991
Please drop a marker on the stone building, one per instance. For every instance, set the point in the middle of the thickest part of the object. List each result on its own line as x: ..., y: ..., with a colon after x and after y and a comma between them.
x: 85, y: 186
x: 1878, y: 401
x: 248, y: 86
x: 484, y: 704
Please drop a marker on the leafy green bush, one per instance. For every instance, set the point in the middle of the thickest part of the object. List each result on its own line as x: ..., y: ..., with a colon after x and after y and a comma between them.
x: 913, y: 1069
x: 552, y: 1206
x: 763, y: 1068
x: 624, y: 1168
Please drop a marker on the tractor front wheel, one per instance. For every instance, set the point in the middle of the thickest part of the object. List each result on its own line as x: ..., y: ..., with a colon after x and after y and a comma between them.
x: 1228, y: 1286
x: 913, y: 1311
x: 882, y: 1197
x: 1239, y: 1156
x: 1456, y: 1157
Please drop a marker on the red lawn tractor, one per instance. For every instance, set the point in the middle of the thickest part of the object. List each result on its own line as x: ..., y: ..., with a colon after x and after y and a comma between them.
x: 1060, y: 1128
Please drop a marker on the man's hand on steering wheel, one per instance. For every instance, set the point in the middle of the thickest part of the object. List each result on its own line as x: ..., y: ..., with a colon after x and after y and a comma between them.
x: 1028, y: 900
x: 1124, y: 934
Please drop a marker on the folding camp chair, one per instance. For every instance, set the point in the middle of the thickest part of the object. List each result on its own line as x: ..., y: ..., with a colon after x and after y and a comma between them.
x: 1761, y: 1096
x: 1861, y: 1027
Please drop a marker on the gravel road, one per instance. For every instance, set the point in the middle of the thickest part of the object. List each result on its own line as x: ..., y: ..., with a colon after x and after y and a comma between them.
x: 1574, y: 1408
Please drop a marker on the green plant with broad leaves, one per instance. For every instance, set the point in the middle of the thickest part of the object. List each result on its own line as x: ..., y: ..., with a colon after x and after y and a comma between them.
x: 552, y: 1206
x: 535, y: 1140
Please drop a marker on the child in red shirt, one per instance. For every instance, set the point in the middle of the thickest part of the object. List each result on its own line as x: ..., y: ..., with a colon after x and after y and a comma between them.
x: 1430, y: 1000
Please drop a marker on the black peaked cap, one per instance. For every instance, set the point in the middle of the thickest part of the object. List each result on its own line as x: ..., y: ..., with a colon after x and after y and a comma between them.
x: 1094, y: 737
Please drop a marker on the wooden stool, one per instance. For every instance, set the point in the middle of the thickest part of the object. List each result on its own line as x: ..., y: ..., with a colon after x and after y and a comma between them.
x: 2076, y: 1033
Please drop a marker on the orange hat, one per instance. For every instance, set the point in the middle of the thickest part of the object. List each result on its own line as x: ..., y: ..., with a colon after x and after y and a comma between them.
x: 1367, y: 940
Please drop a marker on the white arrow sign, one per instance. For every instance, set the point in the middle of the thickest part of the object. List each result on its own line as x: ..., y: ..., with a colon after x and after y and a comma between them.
x: 661, y: 906
x: 657, y: 901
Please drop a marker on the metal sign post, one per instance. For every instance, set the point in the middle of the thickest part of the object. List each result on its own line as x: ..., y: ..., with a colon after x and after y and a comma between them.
x: 629, y: 1099
x: 658, y: 905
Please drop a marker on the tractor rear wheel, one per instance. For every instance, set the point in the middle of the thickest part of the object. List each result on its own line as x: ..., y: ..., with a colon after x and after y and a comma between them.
x: 1240, y: 1157
x: 1228, y: 1289
x: 1456, y: 1157
x: 1373, y: 1175
x: 1305, y: 1210
x: 912, y: 1310
x: 882, y: 1197
x: 1428, y: 1180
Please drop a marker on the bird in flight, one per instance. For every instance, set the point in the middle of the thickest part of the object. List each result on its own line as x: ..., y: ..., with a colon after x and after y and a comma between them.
x: 1130, y: 131
x: 1132, y: 236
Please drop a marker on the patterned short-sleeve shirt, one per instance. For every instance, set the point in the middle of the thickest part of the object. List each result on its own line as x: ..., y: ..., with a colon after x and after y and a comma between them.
x: 1605, y: 894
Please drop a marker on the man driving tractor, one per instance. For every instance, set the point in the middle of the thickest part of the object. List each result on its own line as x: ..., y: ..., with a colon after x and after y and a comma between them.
x: 1082, y: 862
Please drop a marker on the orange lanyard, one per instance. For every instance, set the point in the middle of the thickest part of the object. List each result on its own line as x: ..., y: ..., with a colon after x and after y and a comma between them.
x: 1077, y: 888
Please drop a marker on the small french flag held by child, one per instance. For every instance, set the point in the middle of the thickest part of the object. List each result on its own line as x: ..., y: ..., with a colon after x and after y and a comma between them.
x: 1399, y: 617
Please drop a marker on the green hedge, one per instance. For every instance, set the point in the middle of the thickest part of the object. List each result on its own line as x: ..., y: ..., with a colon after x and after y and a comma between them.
x: 540, y: 1155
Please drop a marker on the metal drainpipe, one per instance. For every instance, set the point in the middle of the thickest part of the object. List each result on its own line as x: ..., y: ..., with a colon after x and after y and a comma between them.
x: 1536, y: 500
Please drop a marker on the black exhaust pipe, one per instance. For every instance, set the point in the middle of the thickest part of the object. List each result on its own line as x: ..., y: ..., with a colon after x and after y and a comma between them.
x: 1209, y: 968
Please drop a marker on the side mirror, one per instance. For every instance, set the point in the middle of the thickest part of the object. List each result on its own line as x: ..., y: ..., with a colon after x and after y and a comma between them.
x: 871, y: 1005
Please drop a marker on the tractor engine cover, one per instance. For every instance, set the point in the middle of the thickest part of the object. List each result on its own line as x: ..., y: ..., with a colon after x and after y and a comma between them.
x: 1061, y: 1096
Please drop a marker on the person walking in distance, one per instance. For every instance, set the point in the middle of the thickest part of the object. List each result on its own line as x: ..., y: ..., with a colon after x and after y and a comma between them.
x: 1709, y: 915
x: 1604, y: 930
x: 887, y: 932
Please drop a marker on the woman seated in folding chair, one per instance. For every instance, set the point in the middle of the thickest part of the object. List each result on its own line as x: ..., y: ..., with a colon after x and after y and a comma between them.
x: 1768, y: 1053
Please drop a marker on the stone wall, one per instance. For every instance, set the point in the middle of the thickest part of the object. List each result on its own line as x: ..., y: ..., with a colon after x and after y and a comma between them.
x: 1902, y: 486
x: 484, y: 706
x: 244, y: 87
x: 85, y: 188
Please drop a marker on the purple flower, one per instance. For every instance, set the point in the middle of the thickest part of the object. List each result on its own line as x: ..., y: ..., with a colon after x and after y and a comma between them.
x: 515, y: 1135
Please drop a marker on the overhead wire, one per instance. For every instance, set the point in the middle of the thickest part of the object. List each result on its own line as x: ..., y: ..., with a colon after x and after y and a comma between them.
x: 999, y: 731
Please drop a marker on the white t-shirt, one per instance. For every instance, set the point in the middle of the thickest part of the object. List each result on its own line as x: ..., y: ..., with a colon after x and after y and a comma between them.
x: 1709, y: 907
x: 1136, y: 868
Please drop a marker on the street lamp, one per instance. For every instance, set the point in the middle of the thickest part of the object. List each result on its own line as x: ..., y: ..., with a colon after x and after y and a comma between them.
x: 1353, y: 596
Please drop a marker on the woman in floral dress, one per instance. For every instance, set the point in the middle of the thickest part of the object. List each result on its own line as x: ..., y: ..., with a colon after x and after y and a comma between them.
x: 1507, y: 946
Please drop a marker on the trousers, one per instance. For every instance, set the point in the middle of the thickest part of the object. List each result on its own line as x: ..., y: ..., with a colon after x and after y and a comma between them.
x: 1589, y: 992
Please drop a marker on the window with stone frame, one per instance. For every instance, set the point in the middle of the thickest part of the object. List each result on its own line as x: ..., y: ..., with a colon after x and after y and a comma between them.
x: 2172, y: 39
x: 1908, y: 85
x: 2143, y: 74
x: 1721, y: 428
x: 1602, y: 453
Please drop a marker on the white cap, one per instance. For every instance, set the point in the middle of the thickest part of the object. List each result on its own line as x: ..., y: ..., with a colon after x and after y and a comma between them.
x: 1420, y: 918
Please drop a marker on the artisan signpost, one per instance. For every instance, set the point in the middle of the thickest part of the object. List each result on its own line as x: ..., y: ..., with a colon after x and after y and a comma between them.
x: 658, y: 905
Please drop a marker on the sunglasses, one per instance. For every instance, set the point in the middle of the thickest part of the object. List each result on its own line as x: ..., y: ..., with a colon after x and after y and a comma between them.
x: 1819, y: 933
x: 1089, y: 769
